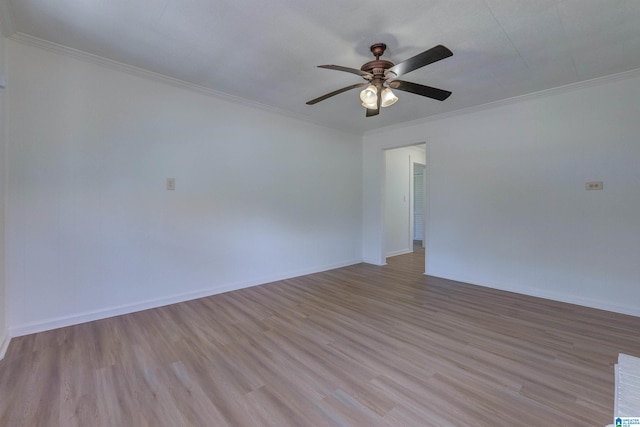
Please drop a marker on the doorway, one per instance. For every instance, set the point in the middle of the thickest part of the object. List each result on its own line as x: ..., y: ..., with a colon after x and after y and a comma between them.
x: 404, y: 201
x: 418, y: 207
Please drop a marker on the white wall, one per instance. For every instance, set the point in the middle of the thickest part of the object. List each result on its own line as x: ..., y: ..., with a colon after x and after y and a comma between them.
x: 507, y: 202
x: 397, y: 199
x: 92, y: 231
x: 4, y: 336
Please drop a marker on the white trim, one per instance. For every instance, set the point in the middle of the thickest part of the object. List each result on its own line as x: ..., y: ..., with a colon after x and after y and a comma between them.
x: 382, y: 165
x: 421, y: 160
x: 89, y: 316
x: 412, y: 203
x: 509, y: 101
x: 172, y: 81
x: 400, y: 252
x: 6, y: 21
x: 4, y: 346
x: 382, y: 186
x: 554, y: 296
x: 427, y: 194
x: 23, y: 38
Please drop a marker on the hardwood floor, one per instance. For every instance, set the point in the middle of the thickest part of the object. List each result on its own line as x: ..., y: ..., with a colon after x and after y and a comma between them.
x: 357, y: 346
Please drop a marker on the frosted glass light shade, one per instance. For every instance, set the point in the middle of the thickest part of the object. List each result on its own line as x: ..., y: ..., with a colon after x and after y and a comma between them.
x: 369, y: 95
x: 388, y: 97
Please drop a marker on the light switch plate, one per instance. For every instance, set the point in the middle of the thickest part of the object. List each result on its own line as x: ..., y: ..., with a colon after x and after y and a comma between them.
x: 594, y: 185
x: 171, y: 184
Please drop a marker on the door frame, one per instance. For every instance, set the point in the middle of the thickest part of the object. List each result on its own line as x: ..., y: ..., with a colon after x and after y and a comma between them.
x: 412, y: 219
x: 381, y: 188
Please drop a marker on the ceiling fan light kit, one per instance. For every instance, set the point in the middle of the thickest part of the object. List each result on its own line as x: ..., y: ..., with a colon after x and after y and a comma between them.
x: 369, y: 95
x: 388, y: 98
x: 381, y: 76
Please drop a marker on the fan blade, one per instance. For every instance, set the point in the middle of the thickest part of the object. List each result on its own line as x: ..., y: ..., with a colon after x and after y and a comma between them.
x: 425, y: 58
x: 428, y: 91
x: 375, y: 111
x: 348, y: 70
x: 371, y: 112
x: 335, y: 92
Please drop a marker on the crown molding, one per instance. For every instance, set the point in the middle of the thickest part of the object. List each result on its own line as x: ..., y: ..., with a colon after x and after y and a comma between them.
x: 151, y: 75
x: 6, y: 19
x: 136, y: 71
x: 635, y: 73
x: 5, y: 11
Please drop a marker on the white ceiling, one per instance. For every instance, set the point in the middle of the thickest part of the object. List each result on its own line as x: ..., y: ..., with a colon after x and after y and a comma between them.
x: 267, y: 51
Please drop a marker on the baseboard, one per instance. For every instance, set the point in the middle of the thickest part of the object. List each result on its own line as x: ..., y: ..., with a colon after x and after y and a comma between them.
x: 400, y: 252
x: 375, y: 261
x: 554, y: 296
x: 4, y: 346
x: 90, y: 316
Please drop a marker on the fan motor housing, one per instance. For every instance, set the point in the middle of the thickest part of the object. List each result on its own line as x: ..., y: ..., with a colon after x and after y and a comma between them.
x: 377, y: 66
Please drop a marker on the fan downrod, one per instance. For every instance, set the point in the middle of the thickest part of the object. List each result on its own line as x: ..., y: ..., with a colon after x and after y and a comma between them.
x: 378, y: 49
x: 377, y: 66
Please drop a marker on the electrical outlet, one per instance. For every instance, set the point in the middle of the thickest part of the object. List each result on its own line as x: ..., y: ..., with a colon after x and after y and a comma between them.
x: 171, y: 184
x: 594, y: 185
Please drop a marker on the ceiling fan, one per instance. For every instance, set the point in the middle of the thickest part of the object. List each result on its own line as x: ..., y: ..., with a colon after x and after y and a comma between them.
x: 381, y: 78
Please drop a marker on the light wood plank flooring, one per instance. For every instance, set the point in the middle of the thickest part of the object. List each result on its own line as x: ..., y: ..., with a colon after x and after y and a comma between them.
x: 358, y: 346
